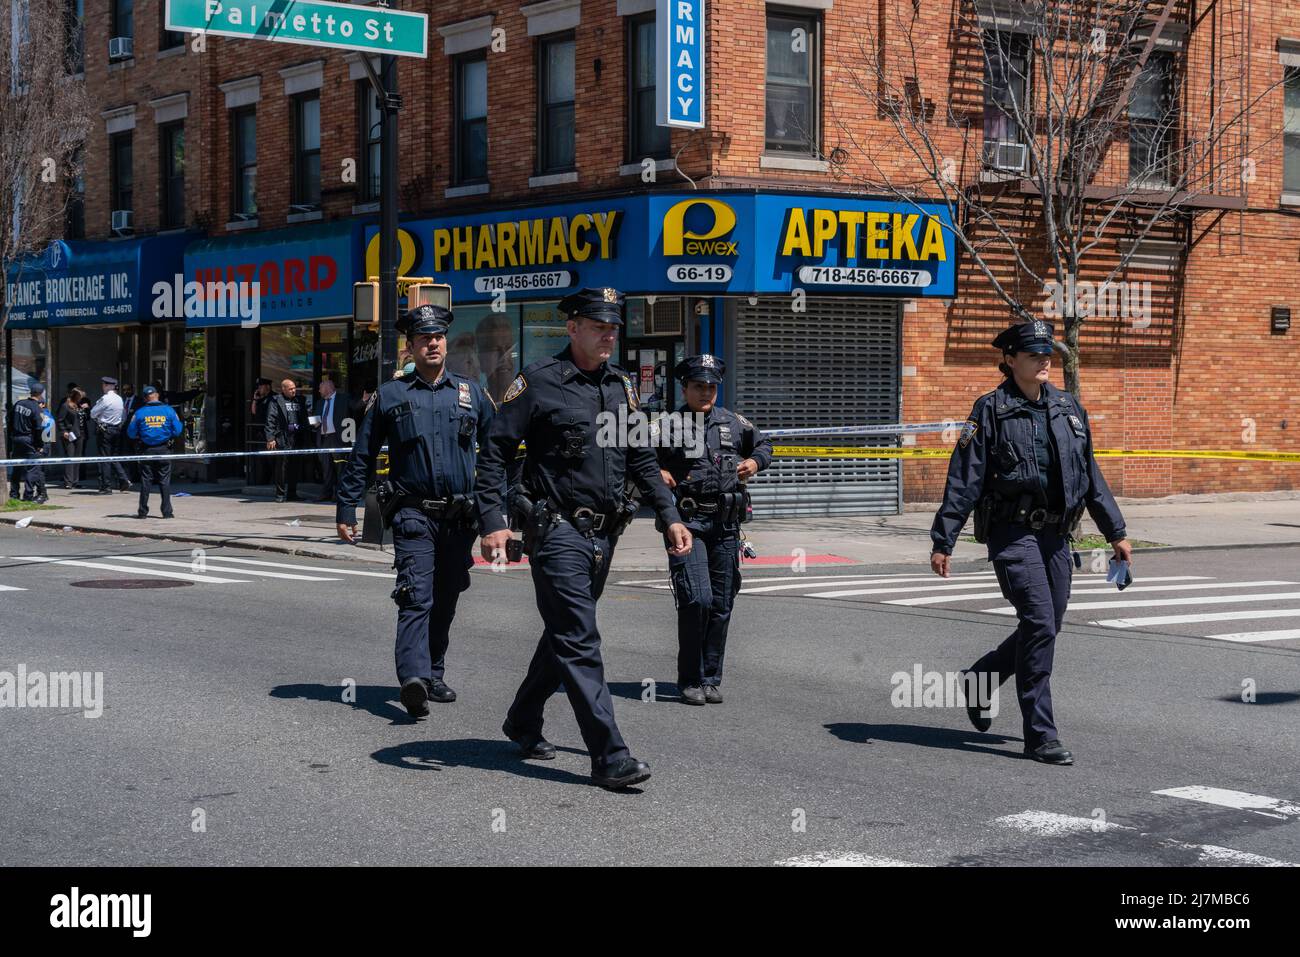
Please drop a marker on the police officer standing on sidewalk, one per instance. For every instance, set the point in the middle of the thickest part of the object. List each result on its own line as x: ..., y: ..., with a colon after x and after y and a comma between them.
x: 107, y: 415
x: 1024, y: 463
x: 431, y: 420
x: 29, y: 443
x: 573, y: 505
x: 712, y: 500
x: 153, y: 427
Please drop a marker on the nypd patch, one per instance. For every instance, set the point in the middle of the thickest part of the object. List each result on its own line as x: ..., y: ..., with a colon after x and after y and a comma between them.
x: 515, y: 389
x: 744, y: 421
x: 632, y: 402
x: 967, y: 432
x: 466, y: 397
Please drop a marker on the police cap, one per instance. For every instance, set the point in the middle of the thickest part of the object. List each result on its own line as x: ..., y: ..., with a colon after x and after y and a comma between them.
x: 148, y: 390
x: 1036, y: 337
x: 426, y: 319
x: 37, y: 389
x: 108, y: 380
x: 705, y: 368
x: 603, y: 305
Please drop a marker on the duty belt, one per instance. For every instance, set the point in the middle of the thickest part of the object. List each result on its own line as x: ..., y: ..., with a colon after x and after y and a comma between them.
x: 1036, y: 518
x: 453, y: 507
x: 430, y: 506
x: 588, y: 521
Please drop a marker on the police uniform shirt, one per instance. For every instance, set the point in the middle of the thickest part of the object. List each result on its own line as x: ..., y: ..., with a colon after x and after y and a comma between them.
x: 431, y: 430
x: 259, y: 408
x: 27, y: 421
x: 553, y: 406
x: 729, y: 439
x: 108, y: 410
x: 1046, y: 457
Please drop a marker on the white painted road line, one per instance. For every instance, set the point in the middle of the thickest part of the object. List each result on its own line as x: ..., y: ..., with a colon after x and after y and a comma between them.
x: 11, y: 588
x: 210, y: 558
x: 812, y: 578
x: 1166, y: 602
x: 1197, y: 618
x: 1285, y: 634
x: 922, y: 584
x: 242, y: 571
x: 1107, y: 589
x: 850, y: 859
x: 130, y: 570
x: 1238, y: 800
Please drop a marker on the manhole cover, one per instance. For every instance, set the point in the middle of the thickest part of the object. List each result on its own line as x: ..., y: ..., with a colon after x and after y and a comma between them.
x: 130, y: 583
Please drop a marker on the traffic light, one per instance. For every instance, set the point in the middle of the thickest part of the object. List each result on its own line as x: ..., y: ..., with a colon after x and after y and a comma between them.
x: 428, y: 294
x: 365, y: 304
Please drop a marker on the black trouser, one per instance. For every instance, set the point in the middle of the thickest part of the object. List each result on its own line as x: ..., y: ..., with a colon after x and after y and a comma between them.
x: 106, y: 437
x: 433, y: 559
x: 287, y: 470
x: 328, y: 467
x: 72, y: 471
x: 705, y: 582
x: 160, y: 472
x: 569, y: 579
x: 33, y: 476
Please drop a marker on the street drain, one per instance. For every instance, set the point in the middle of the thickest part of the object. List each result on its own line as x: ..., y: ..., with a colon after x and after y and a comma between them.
x: 129, y: 583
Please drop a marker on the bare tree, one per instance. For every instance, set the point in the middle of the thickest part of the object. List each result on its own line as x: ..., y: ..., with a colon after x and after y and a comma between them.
x: 1064, y: 137
x: 44, y: 117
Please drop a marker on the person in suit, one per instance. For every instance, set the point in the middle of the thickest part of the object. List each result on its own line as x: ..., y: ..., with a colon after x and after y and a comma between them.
x: 287, y: 428
x: 129, y: 405
x: 335, y: 412
x: 72, y: 435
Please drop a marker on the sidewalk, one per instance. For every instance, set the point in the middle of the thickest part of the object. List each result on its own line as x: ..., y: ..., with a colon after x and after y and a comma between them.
x: 229, y: 515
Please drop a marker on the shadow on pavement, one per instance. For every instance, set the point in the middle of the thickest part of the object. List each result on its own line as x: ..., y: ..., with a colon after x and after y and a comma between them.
x: 379, y: 700
x: 946, y: 739
x: 632, y: 690
x: 1265, y: 697
x: 499, y: 755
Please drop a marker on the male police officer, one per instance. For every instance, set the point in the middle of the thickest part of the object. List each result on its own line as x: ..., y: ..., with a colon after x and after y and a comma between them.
x: 713, y: 501
x: 575, y: 487
x: 431, y: 420
x: 107, y: 415
x: 29, y: 443
x: 1024, y: 462
x: 153, y: 427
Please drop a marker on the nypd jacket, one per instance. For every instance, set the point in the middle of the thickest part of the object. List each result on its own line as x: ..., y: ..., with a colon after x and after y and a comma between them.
x: 27, y: 424
x: 995, y: 456
x: 432, y: 431
x: 553, y: 407
x: 154, y: 424
x: 728, y: 440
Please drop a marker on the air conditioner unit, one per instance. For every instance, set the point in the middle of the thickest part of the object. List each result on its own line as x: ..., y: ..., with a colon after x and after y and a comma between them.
x: 664, y: 318
x: 1008, y: 157
x: 121, y: 48
x: 121, y: 220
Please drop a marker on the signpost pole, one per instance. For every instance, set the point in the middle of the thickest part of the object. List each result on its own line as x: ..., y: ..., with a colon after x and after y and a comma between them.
x: 389, y: 103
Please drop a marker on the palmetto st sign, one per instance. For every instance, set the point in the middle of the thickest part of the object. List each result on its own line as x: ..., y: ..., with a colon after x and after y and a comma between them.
x: 320, y: 23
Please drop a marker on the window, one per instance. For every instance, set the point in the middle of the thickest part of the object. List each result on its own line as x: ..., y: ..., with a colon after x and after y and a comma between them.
x: 1151, y: 122
x: 555, y: 113
x: 243, y: 138
x: 171, y: 163
x: 74, y: 27
x: 644, y: 136
x: 471, y: 118
x: 123, y: 24
x: 75, y: 214
x: 306, y: 151
x: 369, y: 130
x: 792, y: 84
x: 1006, y: 73
x: 167, y: 39
x: 1291, y: 132
x: 120, y: 179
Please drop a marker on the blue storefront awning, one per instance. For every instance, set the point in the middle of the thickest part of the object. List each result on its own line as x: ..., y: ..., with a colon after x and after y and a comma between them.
x: 298, y: 274
x: 81, y: 283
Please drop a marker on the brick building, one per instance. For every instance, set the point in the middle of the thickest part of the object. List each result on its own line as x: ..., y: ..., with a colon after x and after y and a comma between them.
x: 531, y: 162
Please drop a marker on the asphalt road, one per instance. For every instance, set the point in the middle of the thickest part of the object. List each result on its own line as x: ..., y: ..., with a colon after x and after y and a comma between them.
x: 223, y: 704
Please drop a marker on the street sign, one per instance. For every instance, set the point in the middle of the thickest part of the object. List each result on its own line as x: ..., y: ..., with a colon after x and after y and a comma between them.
x: 317, y: 23
x: 679, y: 61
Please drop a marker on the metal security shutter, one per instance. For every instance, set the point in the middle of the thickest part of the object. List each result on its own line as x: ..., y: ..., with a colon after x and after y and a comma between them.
x: 836, y: 364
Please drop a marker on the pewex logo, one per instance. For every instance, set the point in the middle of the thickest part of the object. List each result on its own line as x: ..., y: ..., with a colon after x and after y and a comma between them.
x: 680, y: 241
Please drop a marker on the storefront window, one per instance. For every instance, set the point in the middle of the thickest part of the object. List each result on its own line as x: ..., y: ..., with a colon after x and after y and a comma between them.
x: 286, y: 354
x: 484, y: 345
x: 194, y: 378
x: 544, y: 332
x: 28, y: 362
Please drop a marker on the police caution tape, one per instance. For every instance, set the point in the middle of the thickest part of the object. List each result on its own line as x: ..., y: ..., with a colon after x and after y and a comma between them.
x: 853, y: 452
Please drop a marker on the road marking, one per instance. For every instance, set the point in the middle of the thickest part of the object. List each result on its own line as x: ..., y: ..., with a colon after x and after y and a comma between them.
x: 1165, y: 602
x: 11, y: 588
x: 1194, y: 619
x: 303, y: 568
x: 242, y: 571
x: 930, y: 584
x: 1207, y: 583
x: 811, y: 578
x: 1285, y: 634
x: 851, y: 859
x: 1239, y: 800
x: 153, y: 572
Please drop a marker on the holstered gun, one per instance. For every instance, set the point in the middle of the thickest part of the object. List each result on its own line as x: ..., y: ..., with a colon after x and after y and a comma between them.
x: 388, y: 499
x: 627, y: 510
x: 983, y: 516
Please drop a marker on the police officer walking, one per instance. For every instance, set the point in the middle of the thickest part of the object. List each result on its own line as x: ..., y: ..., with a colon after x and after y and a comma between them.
x: 153, y: 427
x: 431, y: 420
x: 28, y: 433
x: 712, y: 500
x: 574, y: 493
x: 1024, y: 463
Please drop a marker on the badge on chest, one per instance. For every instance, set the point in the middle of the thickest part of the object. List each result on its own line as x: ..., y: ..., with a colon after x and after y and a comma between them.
x: 1077, y: 424
x: 724, y: 437
x: 632, y: 401
x: 465, y: 397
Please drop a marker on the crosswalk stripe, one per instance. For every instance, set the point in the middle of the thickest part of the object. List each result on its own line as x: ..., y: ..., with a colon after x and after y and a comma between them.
x: 154, y: 572
x: 1238, y: 800
x: 1164, y: 602
x: 813, y: 578
x: 850, y: 859
x: 296, y: 568
x: 242, y: 571
x: 11, y: 588
x: 1241, y: 615
x: 1285, y: 634
x: 1108, y: 589
x: 930, y: 584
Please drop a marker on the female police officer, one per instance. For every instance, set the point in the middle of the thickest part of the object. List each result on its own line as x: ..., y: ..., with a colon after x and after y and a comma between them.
x: 1024, y: 462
